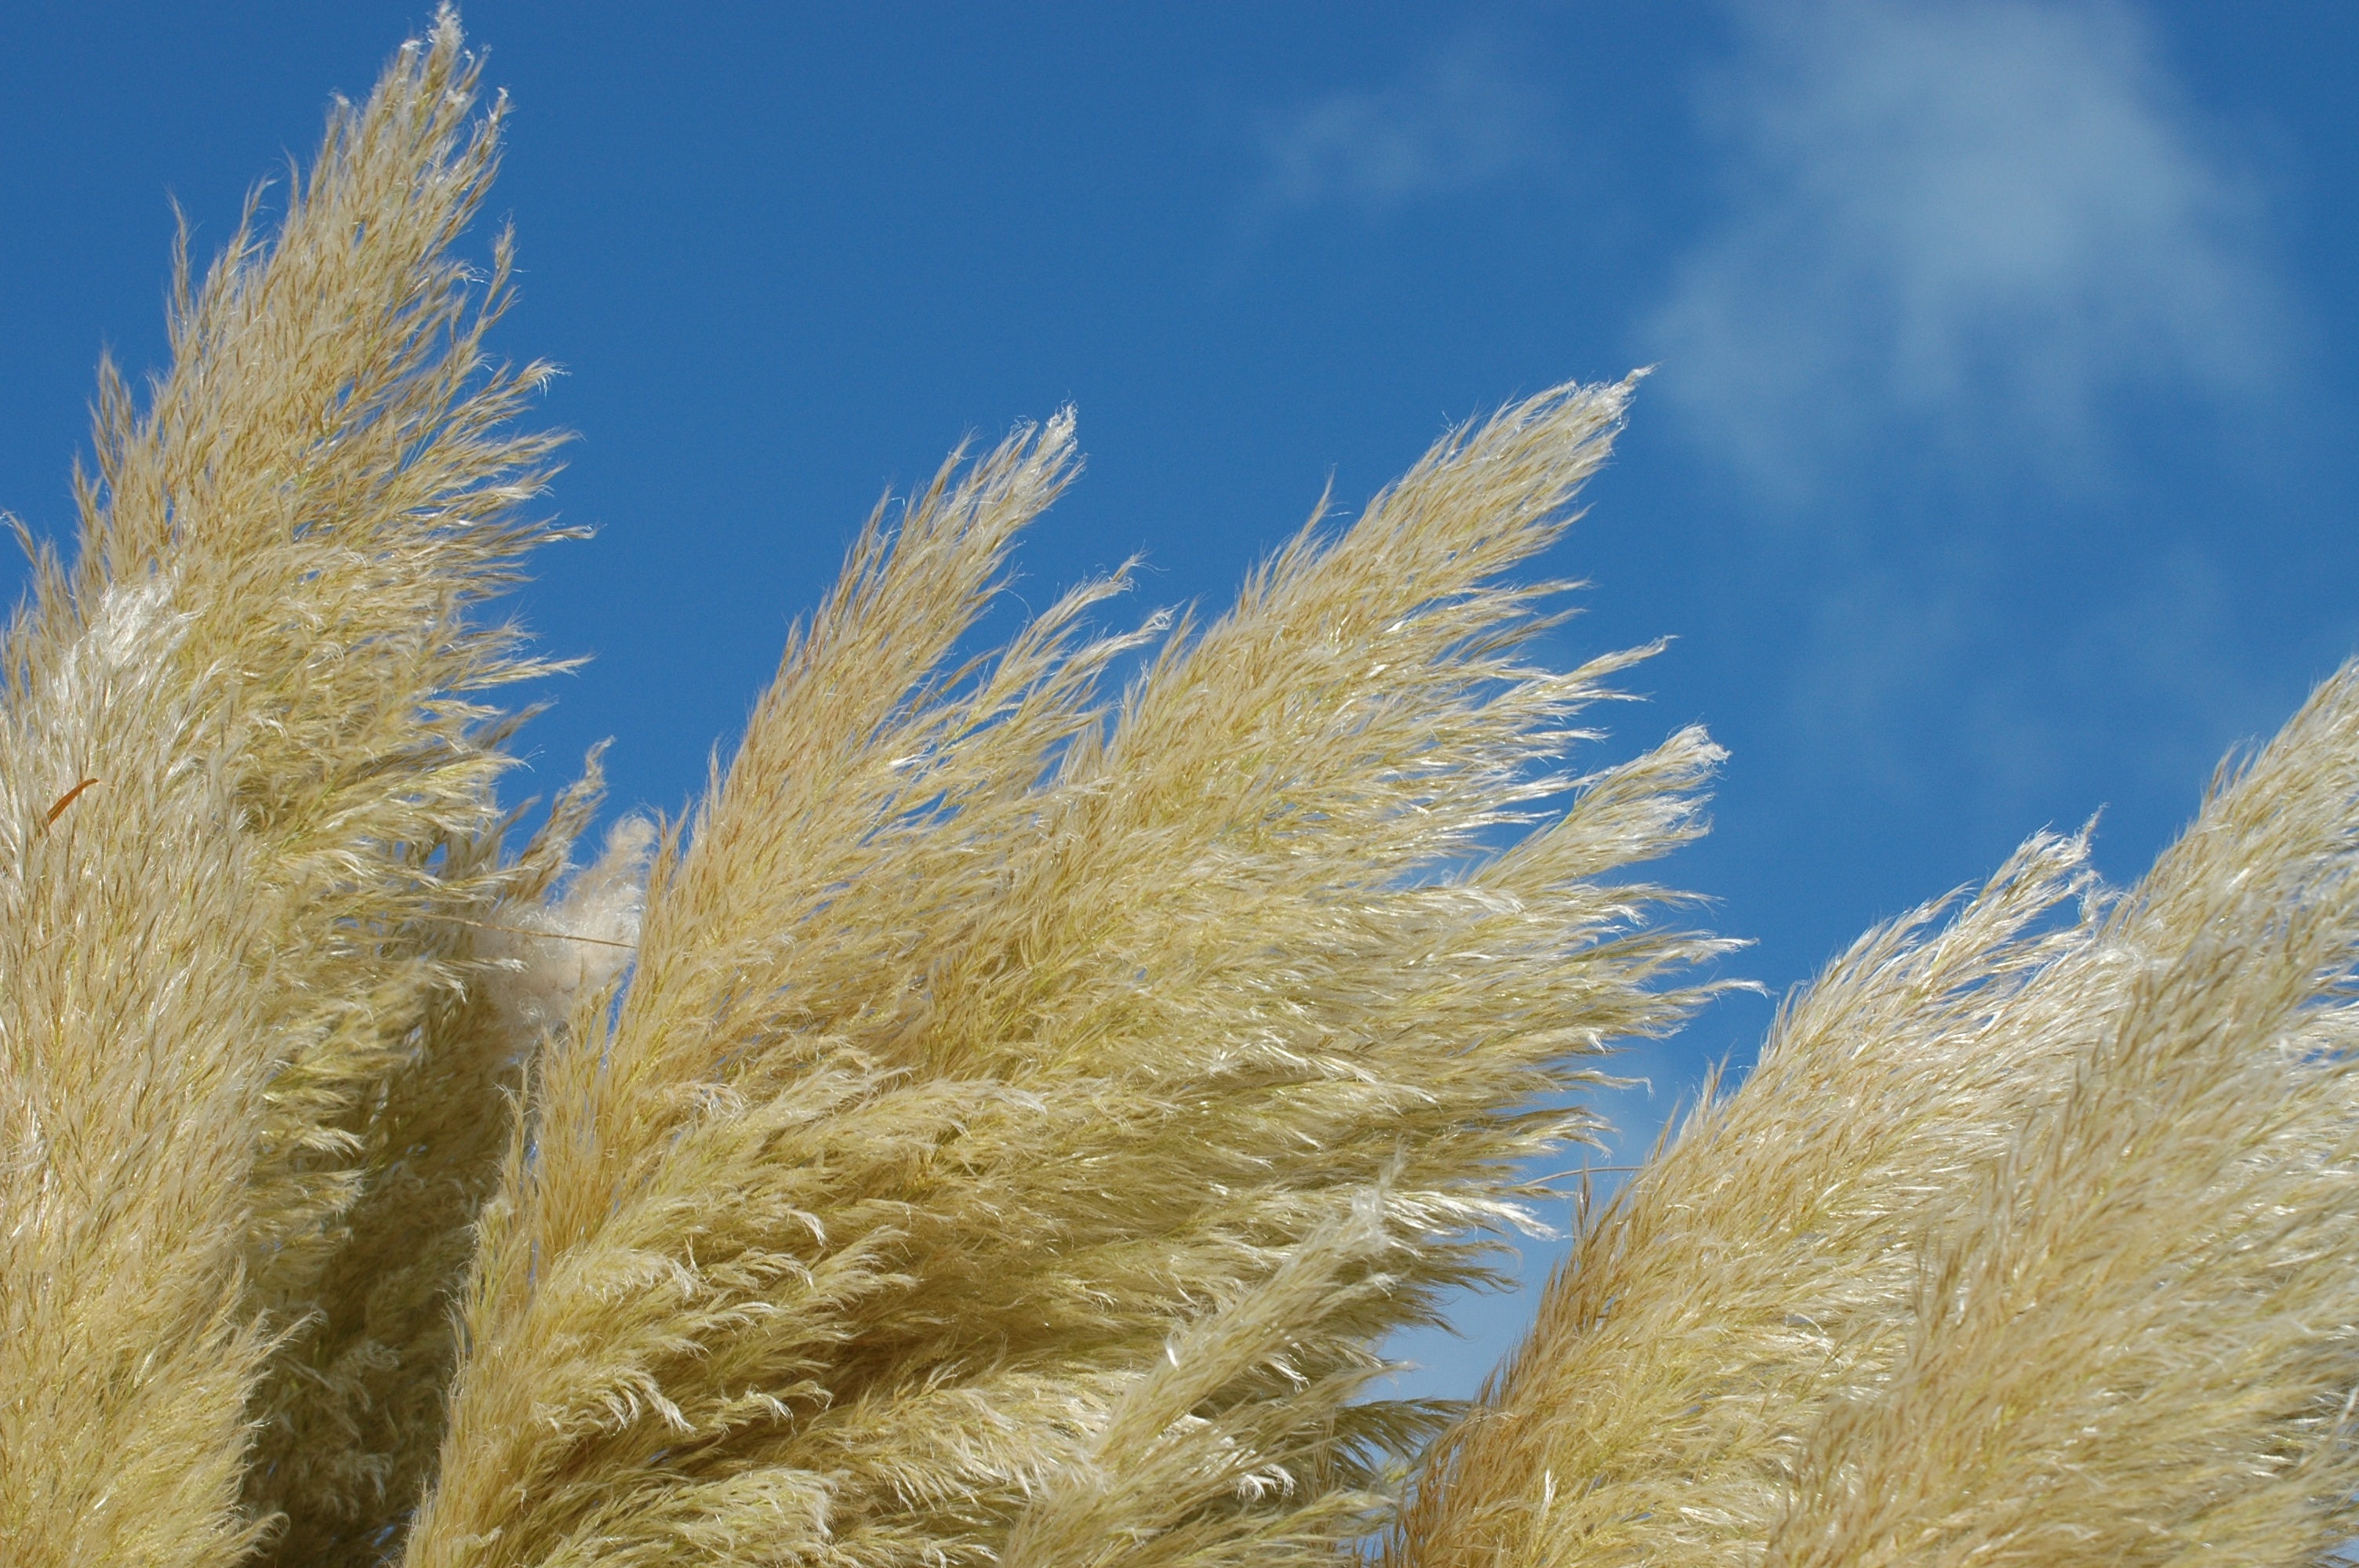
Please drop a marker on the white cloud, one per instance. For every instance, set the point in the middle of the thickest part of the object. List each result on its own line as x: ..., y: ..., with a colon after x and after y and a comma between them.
x: 1456, y: 122
x: 1973, y: 222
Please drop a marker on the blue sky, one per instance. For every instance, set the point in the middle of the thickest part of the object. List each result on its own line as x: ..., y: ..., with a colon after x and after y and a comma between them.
x: 1999, y: 466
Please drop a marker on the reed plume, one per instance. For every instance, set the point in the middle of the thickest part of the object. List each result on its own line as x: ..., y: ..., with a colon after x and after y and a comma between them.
x: 1022, y: 1122
x: 2024, y: 1242
x: 246, y: 799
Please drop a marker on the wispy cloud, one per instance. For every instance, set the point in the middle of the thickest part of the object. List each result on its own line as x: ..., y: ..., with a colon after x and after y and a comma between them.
x: 1459, y: 120
x: 2147, y: 674
x: 1974, y: 222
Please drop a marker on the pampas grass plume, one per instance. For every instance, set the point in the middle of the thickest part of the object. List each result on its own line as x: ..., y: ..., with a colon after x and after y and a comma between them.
x: 2025, y: 1242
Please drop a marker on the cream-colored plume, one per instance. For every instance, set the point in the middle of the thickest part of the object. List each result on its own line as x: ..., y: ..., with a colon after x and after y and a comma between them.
x: 2024, y: 1243
x: 1022, y: 1124
x: 244, y: 785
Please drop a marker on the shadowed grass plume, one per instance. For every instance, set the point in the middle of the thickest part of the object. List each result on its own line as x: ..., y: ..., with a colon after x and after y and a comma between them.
x: 1001, y: 1123
x: 225, y: 948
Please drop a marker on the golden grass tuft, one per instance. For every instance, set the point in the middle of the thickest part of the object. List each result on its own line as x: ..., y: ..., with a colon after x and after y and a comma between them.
x: 2024, y: 1243
x: 1012, y: 1103
x: 220, y: 955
